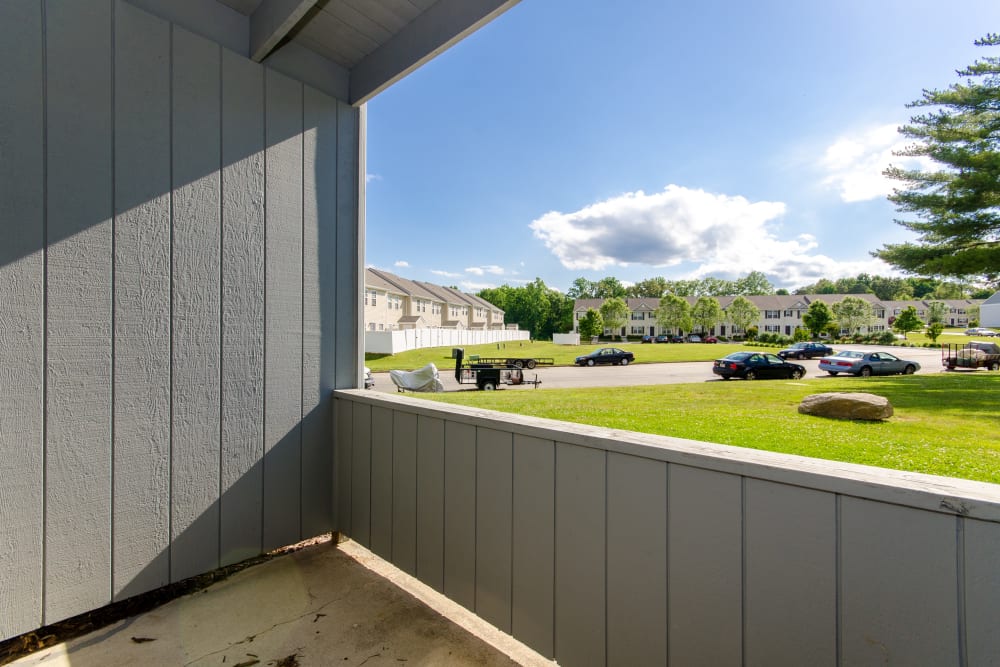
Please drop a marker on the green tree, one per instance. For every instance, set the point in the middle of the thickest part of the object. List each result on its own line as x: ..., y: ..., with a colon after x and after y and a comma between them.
x: 907, y: 321
x: 936, y: 310
x: 609, y: 288
x: 934, y: 330
x: 817, y: 318
x: 742, y: 314
x: 582, y: 289
x: 853, y: 313
x: 614, y: 312
x: 674, y: 313
x: 706, y: 313
x: 973, y: 313
x: 653, y: 288
x: 958, y: 205
x: 591, y: 324
x: 534, y: 307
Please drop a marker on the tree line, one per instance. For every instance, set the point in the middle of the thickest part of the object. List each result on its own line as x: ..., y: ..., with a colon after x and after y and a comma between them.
x: 544, y: 310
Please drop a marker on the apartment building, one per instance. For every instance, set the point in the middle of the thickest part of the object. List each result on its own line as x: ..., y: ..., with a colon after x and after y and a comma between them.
x: 779, y: 314
x: 394, y: 303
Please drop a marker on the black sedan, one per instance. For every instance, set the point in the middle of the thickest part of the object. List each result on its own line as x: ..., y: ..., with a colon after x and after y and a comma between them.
x: 756, y: 366
x: 606, y: 355
x: 805, y: 351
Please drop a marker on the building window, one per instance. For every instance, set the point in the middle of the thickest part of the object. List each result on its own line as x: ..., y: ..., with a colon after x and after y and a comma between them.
x: 772, y: 328
x: 880, y: 313
x: 772, y: 314
x: 788, y: 313
x: 381, y: 327
x: 436, y: 308
x: 371, y: 326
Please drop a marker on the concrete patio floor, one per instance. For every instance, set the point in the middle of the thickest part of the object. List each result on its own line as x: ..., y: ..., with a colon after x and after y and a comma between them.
x: 326, y: 604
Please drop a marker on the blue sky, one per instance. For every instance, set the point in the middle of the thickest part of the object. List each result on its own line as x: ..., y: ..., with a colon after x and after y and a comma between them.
x: 675, y: 139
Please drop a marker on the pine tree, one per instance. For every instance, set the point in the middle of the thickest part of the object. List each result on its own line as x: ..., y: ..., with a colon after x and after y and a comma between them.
x: 957, y: 206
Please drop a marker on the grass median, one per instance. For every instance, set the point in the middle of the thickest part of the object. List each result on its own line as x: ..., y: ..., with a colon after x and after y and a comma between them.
x: 944, y: 424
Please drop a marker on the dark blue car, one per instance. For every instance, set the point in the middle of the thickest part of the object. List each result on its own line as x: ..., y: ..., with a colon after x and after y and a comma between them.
x: 756, y: 366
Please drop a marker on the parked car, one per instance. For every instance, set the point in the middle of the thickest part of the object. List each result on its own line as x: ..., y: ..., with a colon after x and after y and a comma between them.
x: 677, y: 339
x: 663, y: 338
x: 867, y: 363
x: 980, y: 331
x: 606, y: 355
x: 709, y: 339
x: 694, y: 338
x: 756, y: 366
x: 806, y: 351
x: 649, y: 339
x: 369, y: 380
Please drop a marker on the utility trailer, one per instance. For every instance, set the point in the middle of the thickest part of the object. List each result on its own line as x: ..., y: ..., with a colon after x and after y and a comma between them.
x: 510, y: 362
x: 489, y: 374
x: 977, y: 354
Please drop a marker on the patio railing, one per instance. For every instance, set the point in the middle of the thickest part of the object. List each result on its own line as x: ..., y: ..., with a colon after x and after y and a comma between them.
x: 607, y: 547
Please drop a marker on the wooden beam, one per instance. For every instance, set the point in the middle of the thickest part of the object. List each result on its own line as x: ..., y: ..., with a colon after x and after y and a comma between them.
x: 271, y: 21
x: 444, y: 24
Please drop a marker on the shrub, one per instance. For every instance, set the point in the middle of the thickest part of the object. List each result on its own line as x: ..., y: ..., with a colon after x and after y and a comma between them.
x: 886, y: 338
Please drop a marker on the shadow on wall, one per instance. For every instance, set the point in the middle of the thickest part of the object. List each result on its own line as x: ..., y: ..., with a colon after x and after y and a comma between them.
x: 172, y: 217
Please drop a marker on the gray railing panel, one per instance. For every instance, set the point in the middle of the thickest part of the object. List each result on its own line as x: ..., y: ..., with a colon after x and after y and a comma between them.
x: 361, y: 476
x: 430, y: 501
x: 494, y: 498
x: 404, y: 492
x: 982, y: 591
x: 791, y: 575
x: 898, y: 585
x: 460, y: 513
x: 533, y: 547
x: 381, y: 499
x: 580, y: 607
x: 637, y: 557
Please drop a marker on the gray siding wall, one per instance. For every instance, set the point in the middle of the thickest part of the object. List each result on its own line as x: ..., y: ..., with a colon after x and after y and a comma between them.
x: 612, y: 548
x: 179, y: 240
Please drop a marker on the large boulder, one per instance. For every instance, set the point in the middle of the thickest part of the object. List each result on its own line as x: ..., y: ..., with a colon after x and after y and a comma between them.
x: 859, y: 406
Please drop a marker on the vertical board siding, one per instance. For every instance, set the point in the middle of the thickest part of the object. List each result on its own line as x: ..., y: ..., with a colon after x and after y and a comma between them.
x: 22, y: 324
x: 78, y: 326
x: 348, y: 264
x: 319, y: 249
x: 580, y: 589
x: 430, y: 502
x: 791, y: 575
x: 404, y: 492
x: 283, y: 301
x: 637, y: 556
x: 533, y: 543
x: 141, y: 536
x: 240, y: 503
x: 361, y: 475
x: 494, y: 505
x: 343, y: 453
x: 133, y: 324
x: 704, y: 559
x: 898, y: 585
x: 982, y: 591
x: 381, y: 477
x: 460, y: 513
x: 196, y: 305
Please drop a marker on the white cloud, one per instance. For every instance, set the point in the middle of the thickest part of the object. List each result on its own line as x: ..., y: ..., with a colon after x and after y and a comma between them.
x: 492, y: 269
x: 661, y: 229
x: 469, y: 286
x: 403, y: 264
x: 372, y: 177
x: 445, y: 274
x: 723, y: 236
x: 854, y: 163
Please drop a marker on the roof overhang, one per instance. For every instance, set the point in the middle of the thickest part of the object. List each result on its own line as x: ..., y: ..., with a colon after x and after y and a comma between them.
x: 364, y: 46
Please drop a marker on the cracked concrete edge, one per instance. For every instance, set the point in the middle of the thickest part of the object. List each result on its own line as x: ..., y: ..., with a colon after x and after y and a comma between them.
x: 454, y: 612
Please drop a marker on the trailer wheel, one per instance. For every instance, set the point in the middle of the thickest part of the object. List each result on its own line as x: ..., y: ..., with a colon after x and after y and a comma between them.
x: 489, y: 386
x: 995, y: 366
x: 531, y: 364
x: 519, y: 364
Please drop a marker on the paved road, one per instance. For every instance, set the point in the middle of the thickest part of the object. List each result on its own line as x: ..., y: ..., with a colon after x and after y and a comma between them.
x: 562, y: 377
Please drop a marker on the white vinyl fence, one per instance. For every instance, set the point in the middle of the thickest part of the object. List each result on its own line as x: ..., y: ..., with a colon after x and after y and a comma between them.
x: 401, y: 340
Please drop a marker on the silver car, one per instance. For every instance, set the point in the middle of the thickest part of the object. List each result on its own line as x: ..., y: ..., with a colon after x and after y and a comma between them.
x: 867, y: 363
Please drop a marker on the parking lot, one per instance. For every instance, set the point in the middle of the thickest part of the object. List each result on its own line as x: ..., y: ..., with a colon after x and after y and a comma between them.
x: 562, y: 377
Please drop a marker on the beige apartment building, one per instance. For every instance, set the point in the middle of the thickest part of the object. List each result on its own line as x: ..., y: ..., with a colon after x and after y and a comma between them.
x: 395, y: 303
x: 779, y: 314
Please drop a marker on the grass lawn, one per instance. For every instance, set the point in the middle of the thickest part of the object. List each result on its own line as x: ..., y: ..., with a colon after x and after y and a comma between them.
x: 563, y: 354
x: 944, y: 424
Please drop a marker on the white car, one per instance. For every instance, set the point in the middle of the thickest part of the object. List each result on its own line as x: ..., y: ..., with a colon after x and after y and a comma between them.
x: 980, y: 331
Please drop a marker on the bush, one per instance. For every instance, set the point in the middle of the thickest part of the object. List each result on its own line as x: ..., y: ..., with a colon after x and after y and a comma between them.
x: 886, y: 338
